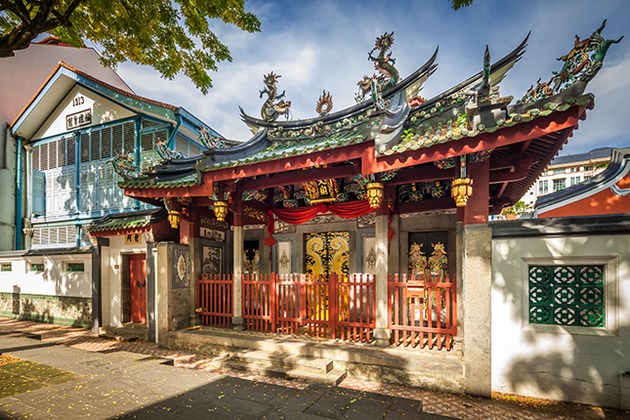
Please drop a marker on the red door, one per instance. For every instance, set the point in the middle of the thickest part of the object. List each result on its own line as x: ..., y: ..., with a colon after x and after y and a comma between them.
x: 138, y: 289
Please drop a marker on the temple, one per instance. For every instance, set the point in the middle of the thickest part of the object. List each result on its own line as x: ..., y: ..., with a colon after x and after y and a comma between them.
x: 364, y: 224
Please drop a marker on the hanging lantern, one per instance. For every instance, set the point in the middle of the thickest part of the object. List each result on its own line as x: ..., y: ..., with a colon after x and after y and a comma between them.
x: 461, y: 190
x: 220, y: 210
x: 173, y: 218
x: 374, y: 194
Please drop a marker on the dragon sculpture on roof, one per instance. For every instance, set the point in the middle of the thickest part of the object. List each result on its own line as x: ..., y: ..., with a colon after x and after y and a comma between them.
x: 387, y: 76
x: 274, y: 106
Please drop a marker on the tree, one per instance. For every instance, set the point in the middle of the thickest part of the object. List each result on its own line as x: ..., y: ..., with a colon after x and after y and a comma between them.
x: 461, y: 3
x: 517, y: 210
x: 171, y: 36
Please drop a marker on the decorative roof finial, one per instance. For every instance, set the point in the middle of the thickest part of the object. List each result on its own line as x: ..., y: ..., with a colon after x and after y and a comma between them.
x: 578, y: 66
x: 324, y: 104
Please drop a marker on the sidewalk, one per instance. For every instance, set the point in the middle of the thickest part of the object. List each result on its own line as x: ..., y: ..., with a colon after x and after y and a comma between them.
x: 120, y: 378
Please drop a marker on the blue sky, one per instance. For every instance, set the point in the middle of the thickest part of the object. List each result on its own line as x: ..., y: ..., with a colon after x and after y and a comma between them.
x: 318, y: 45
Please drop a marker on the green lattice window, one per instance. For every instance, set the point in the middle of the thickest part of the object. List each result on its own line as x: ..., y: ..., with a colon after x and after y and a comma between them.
x: 76, y: 267
x: 5, y: 267
x: 38, y: 267
x: 567, y: 295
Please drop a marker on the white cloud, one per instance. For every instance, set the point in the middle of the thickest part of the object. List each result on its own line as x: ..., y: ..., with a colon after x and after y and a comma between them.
x: 324, y: 44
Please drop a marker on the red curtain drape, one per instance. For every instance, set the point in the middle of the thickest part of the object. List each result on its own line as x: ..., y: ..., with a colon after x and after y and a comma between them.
x: 295, y: 216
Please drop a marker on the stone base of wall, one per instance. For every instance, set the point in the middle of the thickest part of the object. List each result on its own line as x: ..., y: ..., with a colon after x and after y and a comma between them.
x: 61, y: 310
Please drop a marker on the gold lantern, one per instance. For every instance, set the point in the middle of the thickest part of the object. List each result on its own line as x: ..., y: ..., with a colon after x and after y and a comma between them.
x: 220, y: 210
x: 374, y: 194
x: 461, y: 190
x: 173, y: 218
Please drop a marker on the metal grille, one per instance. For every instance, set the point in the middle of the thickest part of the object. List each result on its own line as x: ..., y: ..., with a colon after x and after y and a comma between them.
x: 160, y: 136
x: 106, y: 143
x: 567, y: 295
x: 117, y: 140
x: 148, y: 123
x: 61, y: 152
x: 44, y: 157
x: 36, y: 158
x: 194, y: 149
x: 71, y: 157
x: 53, y: 235
x: 181, y: 145
x: 129, y: 131
x: 63, y: 235
x: 146, y: 142
x: 85, y: 147
x: 95, y: 140
x: 37, y: 236
x: 52, y: 155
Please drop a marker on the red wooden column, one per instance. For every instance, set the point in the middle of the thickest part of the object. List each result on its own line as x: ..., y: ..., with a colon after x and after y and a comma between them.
x: 189, y: 223
x: 237, y: 247
x: 476, y: 210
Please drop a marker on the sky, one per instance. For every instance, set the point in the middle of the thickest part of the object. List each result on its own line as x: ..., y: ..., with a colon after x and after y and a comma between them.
x: 323, y: 45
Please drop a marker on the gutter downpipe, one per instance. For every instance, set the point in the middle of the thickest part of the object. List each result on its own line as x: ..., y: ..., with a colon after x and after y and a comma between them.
x: 621, y: 375
x: 136, y: 145
x: 171, y: 140
x: 18, y: 195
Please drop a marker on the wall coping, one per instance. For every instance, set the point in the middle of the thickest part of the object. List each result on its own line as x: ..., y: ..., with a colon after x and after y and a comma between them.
x: 566, y: 226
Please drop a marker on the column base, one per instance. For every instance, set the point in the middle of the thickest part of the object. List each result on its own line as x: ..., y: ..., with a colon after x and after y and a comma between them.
x: 237, y: 323
x: 381, y: 337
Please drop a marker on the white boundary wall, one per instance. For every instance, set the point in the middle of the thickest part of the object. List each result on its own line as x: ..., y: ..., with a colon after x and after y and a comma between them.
x: 561, y: 363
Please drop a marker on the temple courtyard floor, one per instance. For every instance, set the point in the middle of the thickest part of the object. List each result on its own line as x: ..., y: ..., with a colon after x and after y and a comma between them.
x: 55, y: 372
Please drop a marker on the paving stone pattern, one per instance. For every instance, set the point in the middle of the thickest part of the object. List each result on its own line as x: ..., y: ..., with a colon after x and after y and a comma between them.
x: 128, y: 380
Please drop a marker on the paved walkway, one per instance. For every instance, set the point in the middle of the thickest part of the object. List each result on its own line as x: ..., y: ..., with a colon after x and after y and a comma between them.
x: 120, y: 381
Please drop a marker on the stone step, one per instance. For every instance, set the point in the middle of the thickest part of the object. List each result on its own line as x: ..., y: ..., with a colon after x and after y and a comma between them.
x: 286, y: 361
x: 137, y: 331
x: 332, y: 378
x: 123, y: 338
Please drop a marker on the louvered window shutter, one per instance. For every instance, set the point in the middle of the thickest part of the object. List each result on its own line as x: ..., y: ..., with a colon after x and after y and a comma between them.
x: 39, y: 193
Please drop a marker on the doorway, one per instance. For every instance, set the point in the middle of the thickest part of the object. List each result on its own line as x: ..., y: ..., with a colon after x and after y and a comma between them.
x: 137, y: 289
x: 327, y: 252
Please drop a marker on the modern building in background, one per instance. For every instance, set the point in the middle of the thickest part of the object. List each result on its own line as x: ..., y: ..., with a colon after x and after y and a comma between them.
x: 567, y: 171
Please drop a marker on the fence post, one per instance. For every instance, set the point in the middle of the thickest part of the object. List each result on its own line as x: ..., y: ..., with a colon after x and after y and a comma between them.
x: 302, y: 287
x: 273, y: 301
x: 333, y: 297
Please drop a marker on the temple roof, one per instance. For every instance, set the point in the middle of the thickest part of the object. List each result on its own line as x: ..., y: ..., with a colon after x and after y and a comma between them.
x: 388, y: 134
x: 132, y: 220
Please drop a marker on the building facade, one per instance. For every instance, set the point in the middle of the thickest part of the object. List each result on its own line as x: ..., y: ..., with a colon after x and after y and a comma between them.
x: 567, y: 171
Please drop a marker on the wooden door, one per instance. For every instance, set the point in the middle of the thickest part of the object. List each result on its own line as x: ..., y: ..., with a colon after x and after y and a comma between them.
x: 137, y: 288
x: 327, y: 252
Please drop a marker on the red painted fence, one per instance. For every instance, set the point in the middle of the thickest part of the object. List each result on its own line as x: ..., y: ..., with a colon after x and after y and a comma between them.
x: 214, y: 299
x: 325, y: 306
x: 422, y: 313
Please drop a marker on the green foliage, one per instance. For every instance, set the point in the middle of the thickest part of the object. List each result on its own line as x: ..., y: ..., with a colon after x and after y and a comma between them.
x: 460, y: 3
x: 517, y: 209
x: 171, y: 36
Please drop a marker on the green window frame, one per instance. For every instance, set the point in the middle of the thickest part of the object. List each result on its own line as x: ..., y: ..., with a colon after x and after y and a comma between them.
x: 37, y: 267
x: 571, y: 295
x: 75, y: 267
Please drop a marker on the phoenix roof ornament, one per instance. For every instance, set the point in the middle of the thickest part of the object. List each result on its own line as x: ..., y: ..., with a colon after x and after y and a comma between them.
x: 581, y: 64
